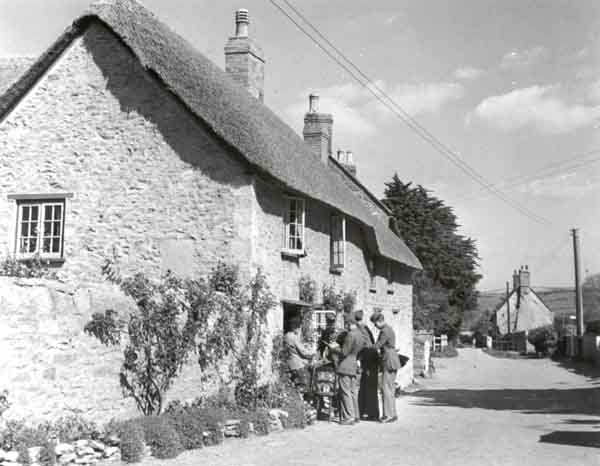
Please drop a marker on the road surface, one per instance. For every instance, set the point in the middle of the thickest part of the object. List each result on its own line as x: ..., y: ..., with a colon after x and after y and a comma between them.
x: 477, y: 410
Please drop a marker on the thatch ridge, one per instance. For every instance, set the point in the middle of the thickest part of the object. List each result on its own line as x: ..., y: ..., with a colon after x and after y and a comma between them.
x: 258, y: 135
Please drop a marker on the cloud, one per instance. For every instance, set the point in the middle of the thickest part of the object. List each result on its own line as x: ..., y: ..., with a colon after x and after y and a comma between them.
x: 524, y: 58
x: 468, y: 73
x: 564, y: 186
x: 358, y: 114
x: 538, y: 107
x: 594, y: 92
x: 426, y: 98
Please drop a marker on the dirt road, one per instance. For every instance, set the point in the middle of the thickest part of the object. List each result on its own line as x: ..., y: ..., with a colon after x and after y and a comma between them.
x: 477, y: 410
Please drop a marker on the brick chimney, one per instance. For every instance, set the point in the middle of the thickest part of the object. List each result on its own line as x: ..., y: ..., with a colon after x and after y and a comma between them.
x: 318, y: 129
x: 346, y: 160
x: 524, y: 279
x: 244, y: 59
x: 515, y: 280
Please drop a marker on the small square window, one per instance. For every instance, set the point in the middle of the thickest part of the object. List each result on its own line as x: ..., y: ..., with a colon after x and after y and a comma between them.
x: 40, y: 228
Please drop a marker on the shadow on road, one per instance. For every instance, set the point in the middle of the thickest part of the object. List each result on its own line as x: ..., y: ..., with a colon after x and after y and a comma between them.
x: 581, y: 368
x: 579, y: 439
x: 580, y: 401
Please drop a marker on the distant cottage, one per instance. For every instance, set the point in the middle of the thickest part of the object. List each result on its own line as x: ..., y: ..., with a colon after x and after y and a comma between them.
x: 121, y: 135
x: 527, y: 310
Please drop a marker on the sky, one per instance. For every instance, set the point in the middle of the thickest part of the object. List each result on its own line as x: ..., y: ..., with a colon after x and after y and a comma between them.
x: 511, y: 86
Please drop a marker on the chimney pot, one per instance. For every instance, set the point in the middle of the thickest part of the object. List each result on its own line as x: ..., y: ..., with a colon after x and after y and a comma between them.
x: 242, y: 21
x: 244, y: 59
x: 313, y: 103
x: 349, y: 158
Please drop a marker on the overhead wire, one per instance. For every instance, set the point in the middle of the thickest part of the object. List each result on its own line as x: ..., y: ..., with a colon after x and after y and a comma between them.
x: 374, y: 89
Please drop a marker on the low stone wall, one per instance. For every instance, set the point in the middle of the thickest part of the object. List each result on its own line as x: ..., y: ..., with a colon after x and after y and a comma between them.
x: 51, y: 367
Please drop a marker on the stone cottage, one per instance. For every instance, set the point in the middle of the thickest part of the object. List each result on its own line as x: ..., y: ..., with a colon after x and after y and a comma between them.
x: 122, y: 136
x: 523, y: 310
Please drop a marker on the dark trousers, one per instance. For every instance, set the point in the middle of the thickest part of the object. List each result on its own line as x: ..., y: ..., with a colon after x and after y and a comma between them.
x: 388, y: 392
x: 368, y: 400
x: 348, y: 397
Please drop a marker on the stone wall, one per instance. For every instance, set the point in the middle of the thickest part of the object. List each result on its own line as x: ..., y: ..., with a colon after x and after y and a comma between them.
x: 51, y: 367
x: 284, y: 273
x: 146, y: 176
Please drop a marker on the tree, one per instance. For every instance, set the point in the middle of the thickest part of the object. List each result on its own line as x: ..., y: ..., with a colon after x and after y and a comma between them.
x: 446, y: 286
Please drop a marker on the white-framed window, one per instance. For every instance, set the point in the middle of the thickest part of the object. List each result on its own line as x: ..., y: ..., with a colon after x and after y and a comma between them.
x: 320, y: 319
x: 372, y: 275
x: 293, y: 225
x: 40, y: 228
x: 338, y: 242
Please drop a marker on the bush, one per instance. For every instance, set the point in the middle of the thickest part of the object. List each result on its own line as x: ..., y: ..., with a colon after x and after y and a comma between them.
x: 261, y: 421
x: 131, y: 436
x: 48, y: 454
x: 189, y: 428
x: 161, y: 437
x: 212, y: 421
x: 285, y: 396
x: 71, y: 428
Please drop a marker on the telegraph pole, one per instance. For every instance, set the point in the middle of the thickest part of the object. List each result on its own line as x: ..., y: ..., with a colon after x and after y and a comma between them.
x: 578, y: 289
x: 508, y: 305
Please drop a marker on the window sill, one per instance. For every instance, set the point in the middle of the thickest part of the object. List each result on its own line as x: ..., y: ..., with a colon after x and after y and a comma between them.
x: 43, y: 260
x: 293, y: 254
x: 336, y: 269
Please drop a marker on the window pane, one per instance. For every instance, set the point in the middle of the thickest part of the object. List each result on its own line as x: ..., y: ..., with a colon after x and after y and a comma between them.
x: 33, y: 245
x: 58, y: 212
x: 34, y: 212
x: 25, y: 214
x: 46, y: 245
x: 23, y: 246
x: 56, y: 245
x: 47, y: 228
x: 24, y: 229
x: 56, y: 229
x: 48, y: 212
x: 33, y: 228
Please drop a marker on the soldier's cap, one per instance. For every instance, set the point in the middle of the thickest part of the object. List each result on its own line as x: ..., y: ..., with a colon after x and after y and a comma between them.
x: 359, y: 314
x: 376, y: 316
x: 330, y: 317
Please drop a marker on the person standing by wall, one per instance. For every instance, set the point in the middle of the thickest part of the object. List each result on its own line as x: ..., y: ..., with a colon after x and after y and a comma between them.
x: 347, y: 371
x: 390, y: 363
x: 297, y: 356
x: 368, y: 357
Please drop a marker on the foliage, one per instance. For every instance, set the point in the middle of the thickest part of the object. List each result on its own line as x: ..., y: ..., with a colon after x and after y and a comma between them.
x: 332, y: 299
x: 308, y: 332
x: 308, y: 289
x: 161, y: 335
x: 285, y: 396
x: 11, y: 266
x: 19, y: 436
x: 448, y: 352
x: 249, y: 357
x: 48, y: 454
x: 446, y: 286
x: 105, y: 327
x: 131, y: 437
x: 161, y: 437
x: 4, y: 403
x: 348, y: 301
x: 543, y: 338
x: 261, y: 421
x: 279, y: 357
x: 189, y: 428
x: 73, y: 427
x: 591, y: 298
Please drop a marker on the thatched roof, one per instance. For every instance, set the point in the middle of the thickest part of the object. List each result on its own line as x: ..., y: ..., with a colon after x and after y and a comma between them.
x: 248, y: 126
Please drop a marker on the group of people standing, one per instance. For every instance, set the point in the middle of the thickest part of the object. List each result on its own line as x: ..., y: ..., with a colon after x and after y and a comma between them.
x: 358, y: 360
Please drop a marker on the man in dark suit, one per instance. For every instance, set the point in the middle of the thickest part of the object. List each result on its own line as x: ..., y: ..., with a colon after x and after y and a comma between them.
x: 347, y: 371
x: 390, y: 363
x: 368, y: 357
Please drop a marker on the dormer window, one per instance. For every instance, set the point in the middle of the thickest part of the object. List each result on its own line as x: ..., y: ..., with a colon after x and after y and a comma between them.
x: 293, y: 223
x: 338, y: 242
